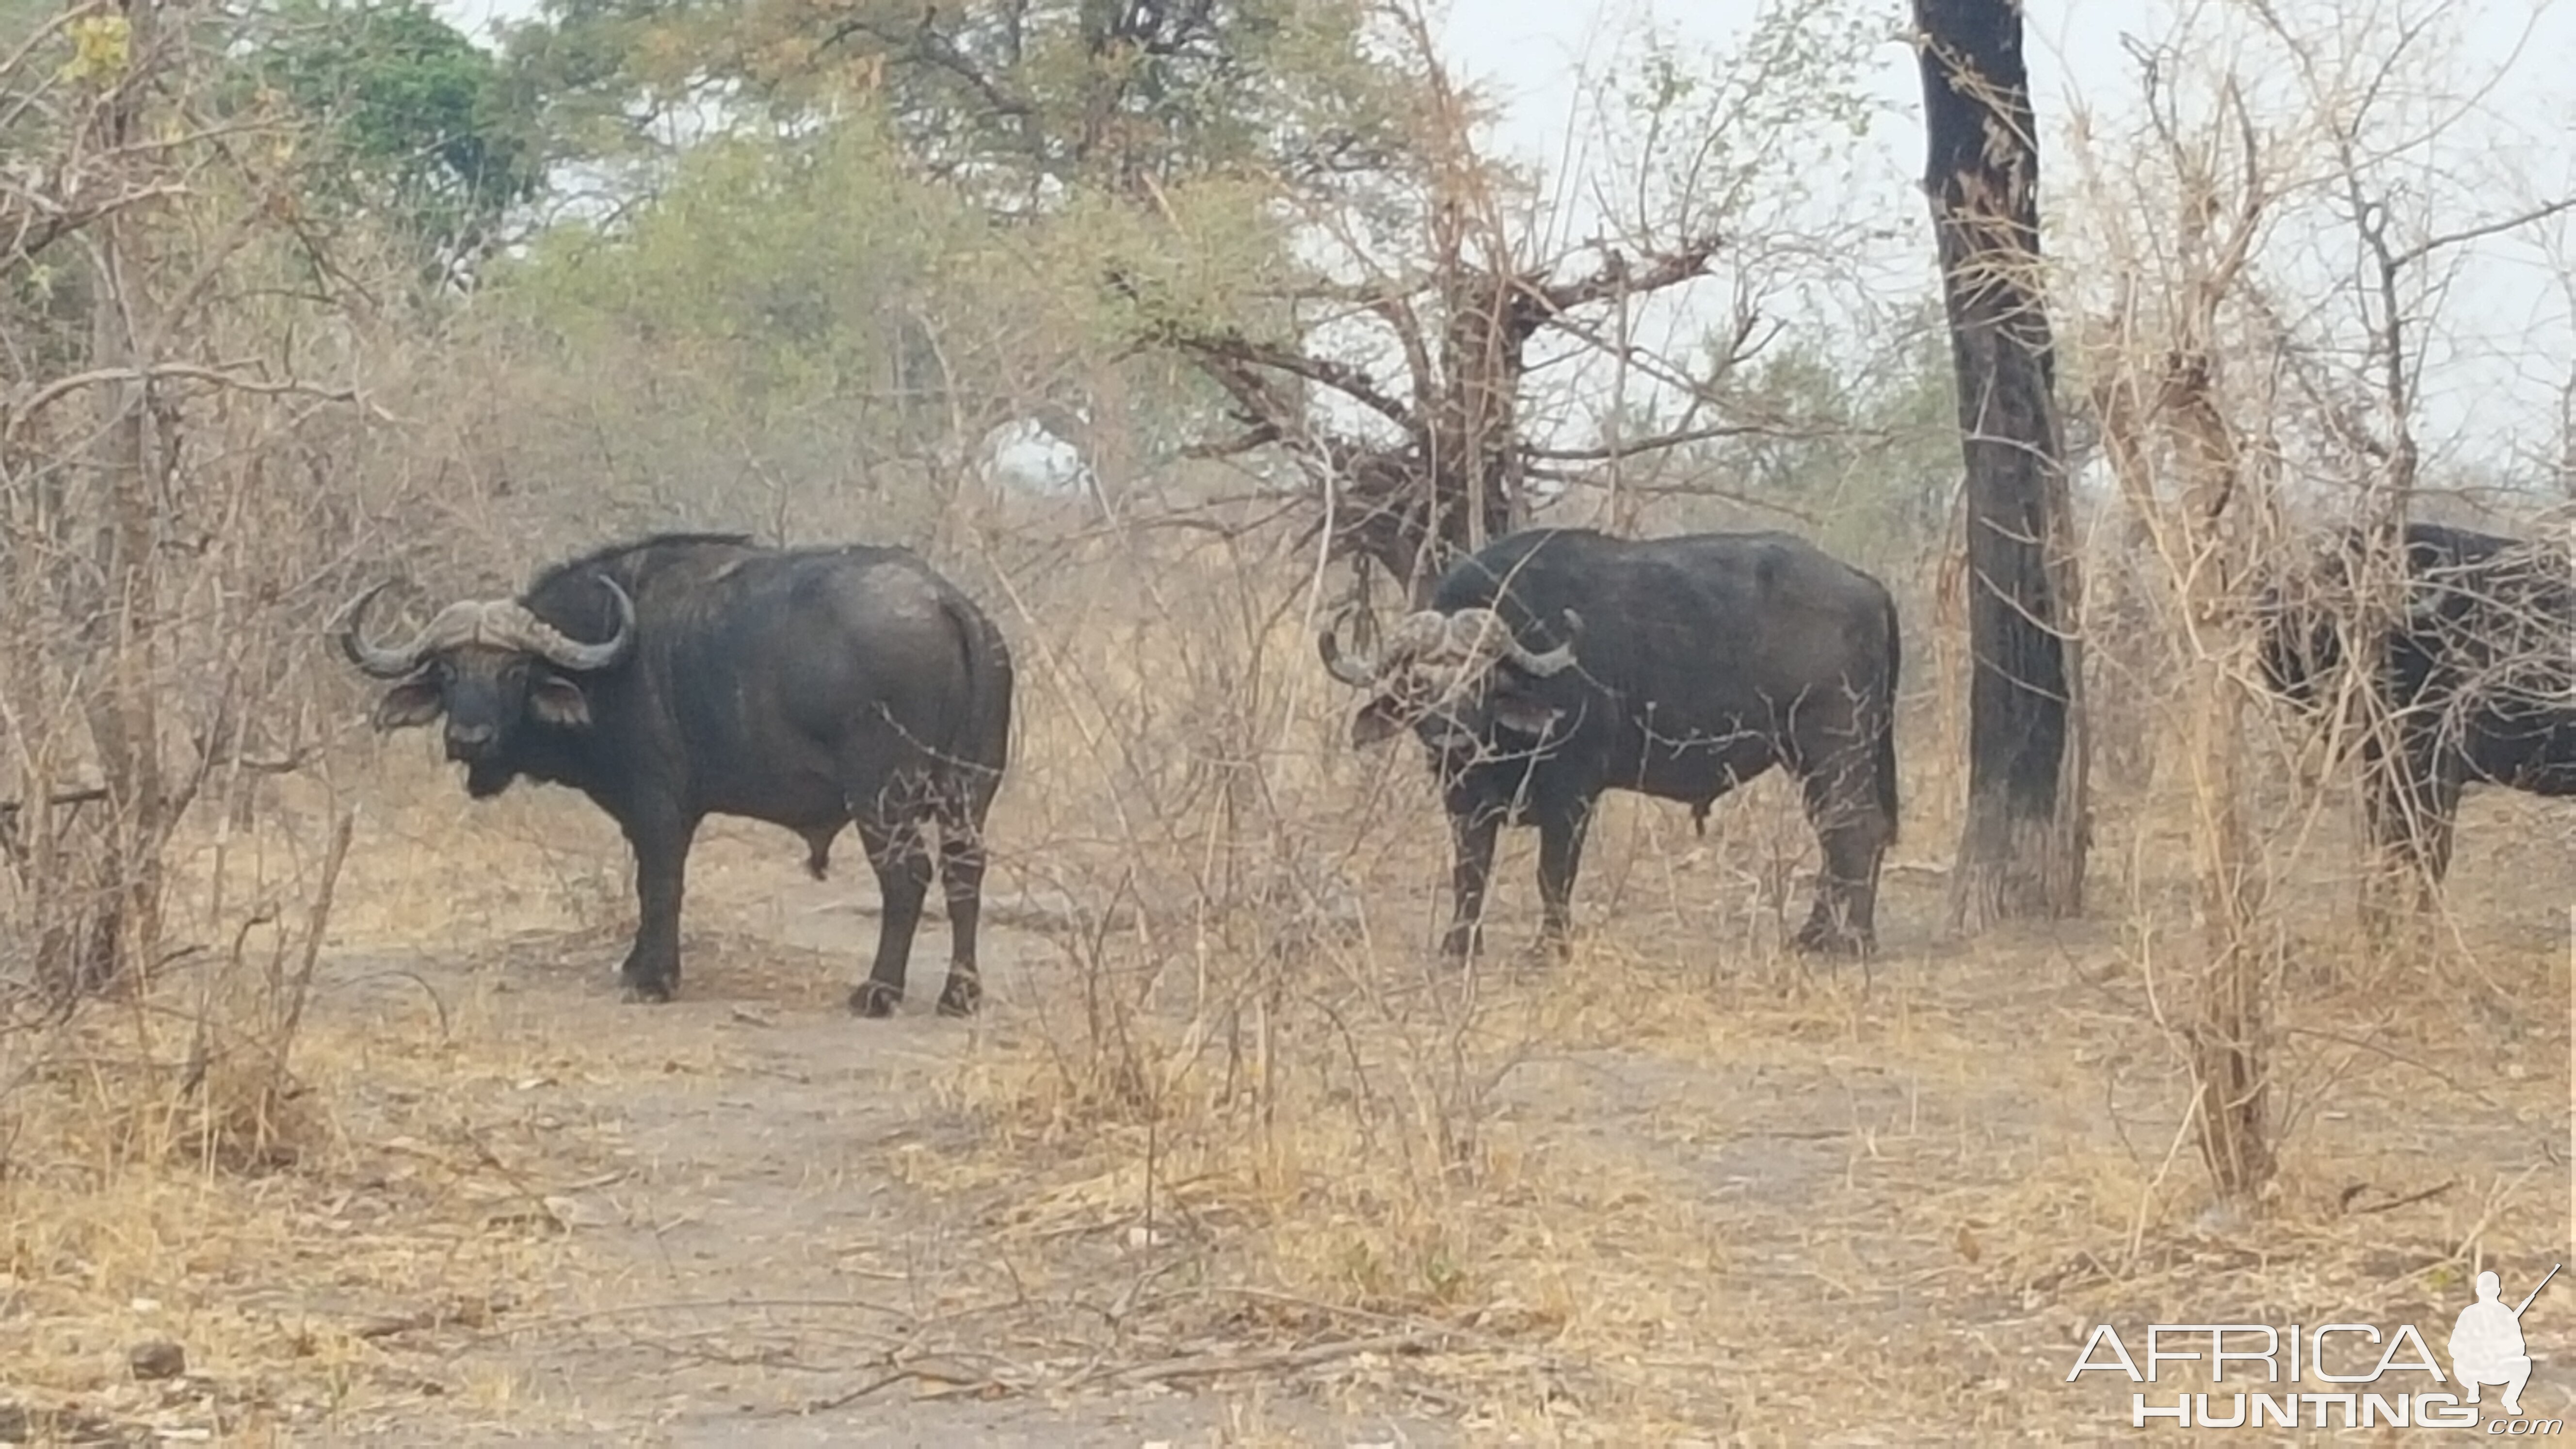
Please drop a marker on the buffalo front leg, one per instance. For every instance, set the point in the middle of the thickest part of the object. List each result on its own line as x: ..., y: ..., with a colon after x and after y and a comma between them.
x: 660, y: 839
x: 1560, y: 859
x: 961, y: 877
x: 1471, y: 834
x: 901, y: 856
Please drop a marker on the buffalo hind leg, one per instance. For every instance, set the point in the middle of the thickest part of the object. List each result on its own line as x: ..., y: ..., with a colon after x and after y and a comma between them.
x: 1560, y: 859
x: 660, y: 840
x: 2412, y: 803
x: 1471, y: 834
x: 900, y: 853
x: 1852, y: 833
x: 961, y: 878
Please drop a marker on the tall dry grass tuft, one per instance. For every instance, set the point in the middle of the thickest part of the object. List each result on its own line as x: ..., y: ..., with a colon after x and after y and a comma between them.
x: 1228, y: 1008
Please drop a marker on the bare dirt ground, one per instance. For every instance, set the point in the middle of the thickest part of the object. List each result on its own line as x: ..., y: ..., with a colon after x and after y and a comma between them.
x: 1717, y: 1196
x: 746, y: 1245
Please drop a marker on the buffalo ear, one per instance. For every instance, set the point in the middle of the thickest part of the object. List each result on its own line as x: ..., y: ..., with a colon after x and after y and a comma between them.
x: 415, y: 701
x: 558, y: 701
x: 1376, y: 722
x: 1522, y: 713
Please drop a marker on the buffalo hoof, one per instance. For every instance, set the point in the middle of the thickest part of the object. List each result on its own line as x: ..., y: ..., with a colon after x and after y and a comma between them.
x: 1817, y: 940
x: 1536, y: 961
x: 874, y: 999
x: 655, y: 992
x: 960, y: 1000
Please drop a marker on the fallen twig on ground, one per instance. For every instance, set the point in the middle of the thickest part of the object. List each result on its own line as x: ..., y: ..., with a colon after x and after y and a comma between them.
x: 926, y: 1371
x: 1208, y: 1365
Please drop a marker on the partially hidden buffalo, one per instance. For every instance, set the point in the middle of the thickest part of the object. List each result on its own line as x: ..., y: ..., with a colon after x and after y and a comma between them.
x: 1558, y: 663
x: 2473, y: 684
x: 688, y: 675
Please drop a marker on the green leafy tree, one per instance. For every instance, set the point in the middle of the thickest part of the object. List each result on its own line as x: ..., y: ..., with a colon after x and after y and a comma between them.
x: 422, y: 127
x: 812, y: 316
x: 1081, y: 140
x: 1016, y: 102
x: 789, y: 268
x: 1866, y: 447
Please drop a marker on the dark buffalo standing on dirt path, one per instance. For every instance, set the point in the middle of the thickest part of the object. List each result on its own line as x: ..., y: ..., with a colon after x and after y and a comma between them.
x: 2476, y: 685
x: 811, y: 688
x: 1559, y: 663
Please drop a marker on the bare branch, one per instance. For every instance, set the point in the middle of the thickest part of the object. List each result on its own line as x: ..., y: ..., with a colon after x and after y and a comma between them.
x: 1261, y: 435
x: 17, y: 411
x: 2496, y: 227
x: 1617, y: 280
x: 9, y: 809
x: 1230, y: 346
x: 1659, y: 442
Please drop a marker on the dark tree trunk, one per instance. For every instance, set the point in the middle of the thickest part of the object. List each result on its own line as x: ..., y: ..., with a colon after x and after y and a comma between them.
x: 1458, y: 484
x: 1455, y: 474
x: 2022, y: 852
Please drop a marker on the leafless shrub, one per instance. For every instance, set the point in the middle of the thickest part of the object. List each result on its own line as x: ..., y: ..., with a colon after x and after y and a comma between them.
x: 174, y: 524
x: 2236, y: 426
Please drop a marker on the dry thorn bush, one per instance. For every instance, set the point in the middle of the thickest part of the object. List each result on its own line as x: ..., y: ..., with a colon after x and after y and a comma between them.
x: 2240, y: 431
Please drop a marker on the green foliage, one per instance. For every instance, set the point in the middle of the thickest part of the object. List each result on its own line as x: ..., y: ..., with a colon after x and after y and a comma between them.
x: 1012, y: 100
x: 417, y: 124
x: 1763, y: 129
x: 898, y: 226
x: 810, y: 311
x: 790, y: 268
x: 1869, y: 450
x: 915, y: 214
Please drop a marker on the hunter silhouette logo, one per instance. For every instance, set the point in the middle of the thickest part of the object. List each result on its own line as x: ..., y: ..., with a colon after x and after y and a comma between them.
x: 2486, y: 1342
x: 2323, y: 1376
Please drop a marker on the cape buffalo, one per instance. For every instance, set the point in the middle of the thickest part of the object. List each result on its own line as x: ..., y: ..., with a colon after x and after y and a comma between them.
x: 2475, y: 684
x: 808, y: 687
x: 1674, y: 667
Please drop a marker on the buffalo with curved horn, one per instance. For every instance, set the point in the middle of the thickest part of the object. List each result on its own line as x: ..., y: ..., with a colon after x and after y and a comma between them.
x: 1682, y: 668
x: 503, y: 624
x: 689, y: 675
x: 1434, y: 658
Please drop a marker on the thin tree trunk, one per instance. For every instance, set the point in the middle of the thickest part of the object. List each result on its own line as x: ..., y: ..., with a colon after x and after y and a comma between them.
x: 2022, y: 851
x: 117, y: 626
x: 2206, y: 525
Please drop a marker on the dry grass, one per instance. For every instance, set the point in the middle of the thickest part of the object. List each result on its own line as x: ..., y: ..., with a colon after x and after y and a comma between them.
x: 1683, y: 1187
x: 161, y: 1185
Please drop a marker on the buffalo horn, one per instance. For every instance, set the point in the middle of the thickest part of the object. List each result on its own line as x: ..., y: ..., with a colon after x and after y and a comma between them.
x: 1349, y: 671
x: 375, y: 660
x: 1553, y: 660
x: 543, y: 638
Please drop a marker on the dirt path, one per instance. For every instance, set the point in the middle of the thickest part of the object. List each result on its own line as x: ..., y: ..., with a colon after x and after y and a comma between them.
x: 727, y: 1178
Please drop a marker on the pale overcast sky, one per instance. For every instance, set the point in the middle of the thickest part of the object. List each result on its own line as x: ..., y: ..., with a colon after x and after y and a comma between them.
x: 2509, y: 306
